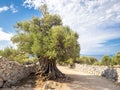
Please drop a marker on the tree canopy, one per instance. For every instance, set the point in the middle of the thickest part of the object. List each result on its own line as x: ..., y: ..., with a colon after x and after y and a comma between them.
x: 116, y: 59
x: 106, y: 60
x: 87, y: 60
x: 47, y: 38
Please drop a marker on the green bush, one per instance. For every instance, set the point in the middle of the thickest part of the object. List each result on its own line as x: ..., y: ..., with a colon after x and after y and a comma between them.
x: 16, y: 55
x: 87, y: 60
x: 116, y: 59
x: 106, y: 60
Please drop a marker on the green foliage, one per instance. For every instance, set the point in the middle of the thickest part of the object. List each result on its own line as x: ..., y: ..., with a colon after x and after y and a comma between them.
x: 65, y: 43
x: 106, y: 60
x: 87, y: 60
x: 116, y: 59
x: 46, y: 37
x: 97, y: 63
x: 7, y: 52
x: 93, y: 60
x: 16, y: 55
x: 24, y: 59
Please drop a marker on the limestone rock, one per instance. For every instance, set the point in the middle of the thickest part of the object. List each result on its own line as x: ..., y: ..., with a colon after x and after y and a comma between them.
x: 110, y: 73
x: 11, y: 71
x: 1, y: 82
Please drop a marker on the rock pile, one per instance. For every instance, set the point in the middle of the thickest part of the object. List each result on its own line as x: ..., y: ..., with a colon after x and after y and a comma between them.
x: 112, y: 73
x: 11, y: 72
x: 95, y: 70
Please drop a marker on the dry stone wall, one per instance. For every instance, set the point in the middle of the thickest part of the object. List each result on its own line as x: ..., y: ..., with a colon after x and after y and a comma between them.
x: 11, y: 72
x: 112, y: 73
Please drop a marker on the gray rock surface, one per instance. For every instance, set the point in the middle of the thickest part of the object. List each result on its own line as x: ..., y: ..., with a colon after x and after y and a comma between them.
x: 11, y: 71
x: 112, y: 73
x: 1, y: 82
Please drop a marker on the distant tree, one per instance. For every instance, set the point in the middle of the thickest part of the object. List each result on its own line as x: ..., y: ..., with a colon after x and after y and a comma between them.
x: 92, y: 60
x: 116, y: 59
x: 15, y: 55
x: 106, y: 60
x: 7, y: 52
x: 48, y: 40
x: 87, y: 60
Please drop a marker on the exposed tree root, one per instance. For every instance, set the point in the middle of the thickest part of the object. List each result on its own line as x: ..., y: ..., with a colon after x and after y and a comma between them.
x: 49, y: 70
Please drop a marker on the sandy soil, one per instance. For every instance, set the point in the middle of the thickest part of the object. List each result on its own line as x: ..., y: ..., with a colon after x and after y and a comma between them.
x: 79, y: 81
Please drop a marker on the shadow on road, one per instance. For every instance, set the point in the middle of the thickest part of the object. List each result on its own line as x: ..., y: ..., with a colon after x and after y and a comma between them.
x: 90, y: 82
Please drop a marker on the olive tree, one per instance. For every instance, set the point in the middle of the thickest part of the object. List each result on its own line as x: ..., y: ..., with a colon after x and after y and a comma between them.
x: 49, y: 40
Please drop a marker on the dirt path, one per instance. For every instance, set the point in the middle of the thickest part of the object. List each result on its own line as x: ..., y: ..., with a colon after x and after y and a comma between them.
x: 85, y: 81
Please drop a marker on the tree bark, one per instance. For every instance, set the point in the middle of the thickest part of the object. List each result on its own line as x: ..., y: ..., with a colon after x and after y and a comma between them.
x: 49, y: 69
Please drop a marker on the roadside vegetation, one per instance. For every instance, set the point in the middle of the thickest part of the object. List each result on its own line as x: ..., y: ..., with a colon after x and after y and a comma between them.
x: 86, y: 60
x: 106, y: 60
x: 16, y: 55
x: 114, y: 60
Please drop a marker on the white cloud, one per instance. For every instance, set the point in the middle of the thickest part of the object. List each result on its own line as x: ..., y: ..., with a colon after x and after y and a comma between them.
x: 4, y: 35
x: 33, y: 3
x: 5, y: 39
x: 13, y: 9
x: 88, y: 18
x: 4, y: 8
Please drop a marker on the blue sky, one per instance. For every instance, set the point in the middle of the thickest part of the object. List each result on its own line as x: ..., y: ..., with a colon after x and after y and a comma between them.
x: 96, y: 21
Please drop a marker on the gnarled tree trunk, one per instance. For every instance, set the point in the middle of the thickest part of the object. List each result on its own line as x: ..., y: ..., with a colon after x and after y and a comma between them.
x: 49, y: 69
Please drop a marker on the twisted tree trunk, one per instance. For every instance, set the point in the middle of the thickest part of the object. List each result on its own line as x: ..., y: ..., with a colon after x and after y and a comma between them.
x: 48, y: 68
